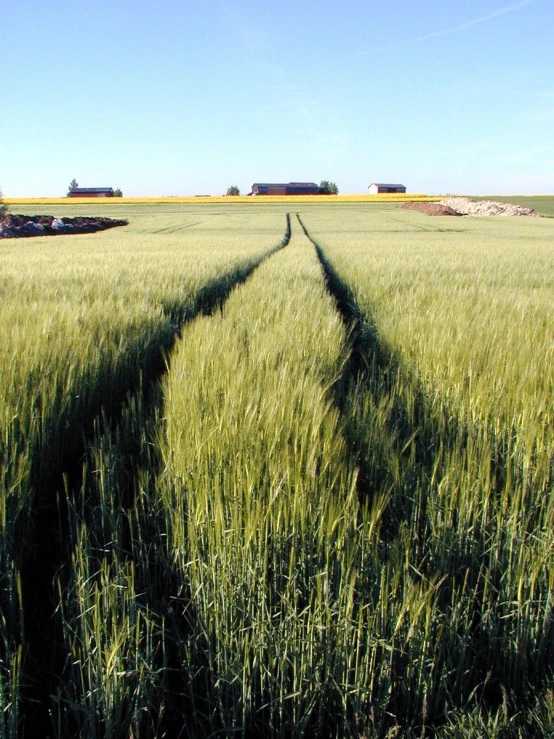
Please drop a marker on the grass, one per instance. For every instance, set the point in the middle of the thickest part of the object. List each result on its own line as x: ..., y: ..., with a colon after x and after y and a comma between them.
x: 261, y: 498
x: 326, y: 511
x: 114, y: 668
x: 438, y: 315
x: 85, y: 320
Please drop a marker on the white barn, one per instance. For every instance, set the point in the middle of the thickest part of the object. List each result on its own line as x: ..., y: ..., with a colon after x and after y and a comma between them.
x: 377, y: 187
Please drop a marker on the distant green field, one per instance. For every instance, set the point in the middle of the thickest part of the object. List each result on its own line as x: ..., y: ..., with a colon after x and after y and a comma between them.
x: 278, y: 471
x: 541, y: 203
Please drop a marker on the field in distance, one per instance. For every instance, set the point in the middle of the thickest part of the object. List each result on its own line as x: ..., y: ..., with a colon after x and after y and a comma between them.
x: 543, y: 204
x: 237, y: 200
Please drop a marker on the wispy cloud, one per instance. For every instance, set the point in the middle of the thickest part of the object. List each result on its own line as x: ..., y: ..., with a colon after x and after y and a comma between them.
x: 476, y: 21
x: 453, y: 29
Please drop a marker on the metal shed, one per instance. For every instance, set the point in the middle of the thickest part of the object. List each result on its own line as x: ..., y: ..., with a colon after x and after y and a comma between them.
x: 377, y: 187
x: 281, y: 188
x: 91, y: 192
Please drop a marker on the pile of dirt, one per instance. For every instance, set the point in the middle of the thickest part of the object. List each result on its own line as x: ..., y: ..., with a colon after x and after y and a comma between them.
x: 431, y: 209
x: 14, y: 226
x: 470, y: 207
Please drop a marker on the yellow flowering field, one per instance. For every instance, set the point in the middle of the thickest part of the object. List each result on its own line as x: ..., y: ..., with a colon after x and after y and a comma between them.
x: 336, y: 199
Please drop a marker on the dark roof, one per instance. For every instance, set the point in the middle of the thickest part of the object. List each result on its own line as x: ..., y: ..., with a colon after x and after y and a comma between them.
x: 285, y: 184
x: 91, y: 189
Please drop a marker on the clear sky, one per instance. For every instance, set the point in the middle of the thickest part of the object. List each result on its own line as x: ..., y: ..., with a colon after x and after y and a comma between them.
x: 180, y: 98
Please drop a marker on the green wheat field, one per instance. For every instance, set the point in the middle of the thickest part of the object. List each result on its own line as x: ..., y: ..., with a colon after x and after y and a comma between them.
x: 277, y: 470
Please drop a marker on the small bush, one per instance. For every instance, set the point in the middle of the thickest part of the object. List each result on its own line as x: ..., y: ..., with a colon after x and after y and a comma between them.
x: 3, y: 206
x: 328, y: 188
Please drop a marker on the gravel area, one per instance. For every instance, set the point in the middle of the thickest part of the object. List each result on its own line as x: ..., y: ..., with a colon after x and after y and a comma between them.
x: 470, y: 207
x: 18, y: 226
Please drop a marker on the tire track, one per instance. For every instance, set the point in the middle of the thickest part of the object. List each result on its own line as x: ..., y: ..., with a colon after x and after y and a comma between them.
x: 374, y: 370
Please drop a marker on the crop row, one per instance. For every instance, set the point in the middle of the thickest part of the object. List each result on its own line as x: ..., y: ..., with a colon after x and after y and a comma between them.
x: 323, y: 549
x: 331, y: 517
x: 460, y: 383
x: 84, y: 323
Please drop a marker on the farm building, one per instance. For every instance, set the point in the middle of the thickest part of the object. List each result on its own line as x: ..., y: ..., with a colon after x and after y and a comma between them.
x: 376, y: 187
x: 91, y: 192
x: 290, y: 188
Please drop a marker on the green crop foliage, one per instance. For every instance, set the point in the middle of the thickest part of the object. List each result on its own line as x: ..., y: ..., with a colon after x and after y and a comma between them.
x: 455, y: 320
x: 84, y: 321
x: 259, y: 491
x: 262, y: 500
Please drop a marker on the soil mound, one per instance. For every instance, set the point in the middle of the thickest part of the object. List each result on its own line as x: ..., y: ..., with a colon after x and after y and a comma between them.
x: 431, y: 209
x: 14, y: 226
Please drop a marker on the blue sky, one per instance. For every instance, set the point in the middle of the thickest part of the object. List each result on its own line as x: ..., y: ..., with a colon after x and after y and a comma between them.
x: 183, y: 98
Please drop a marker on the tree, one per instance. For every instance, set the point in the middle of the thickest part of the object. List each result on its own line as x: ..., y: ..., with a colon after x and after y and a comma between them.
x: 117, y: 193
x: 72, y: 184
x: 233, y: 190
x: 328, y: 188
x: 3, y: 206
